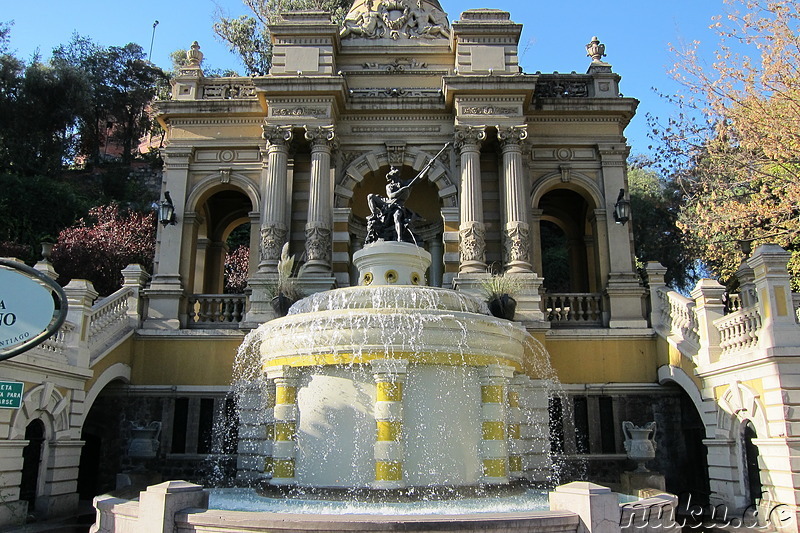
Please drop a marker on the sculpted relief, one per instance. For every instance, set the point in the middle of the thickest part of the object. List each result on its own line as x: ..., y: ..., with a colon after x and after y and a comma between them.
x: 395, y: 19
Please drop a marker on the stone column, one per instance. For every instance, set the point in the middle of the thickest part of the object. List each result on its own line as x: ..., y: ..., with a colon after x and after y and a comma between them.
x: 536, y: 240
x: 389, y: 451
x: 166, y: 289
x: 284, y: 447
x: 436, y: 249
x: 516, y: 234
x: 514, y: 433
x: 493, y: 448
x: 275, y: 201
x: 319, y: 221
x: 472, y: 234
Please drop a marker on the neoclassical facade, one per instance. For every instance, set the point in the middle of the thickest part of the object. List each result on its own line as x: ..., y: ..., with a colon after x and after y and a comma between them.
x: 528, y: 186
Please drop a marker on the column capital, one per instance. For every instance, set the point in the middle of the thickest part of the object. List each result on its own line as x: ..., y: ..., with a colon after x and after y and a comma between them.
x: 321, y: 137
x: 511, y: 137
x: 277, y: 136
x: 177, y: 157
x: 469, y: 137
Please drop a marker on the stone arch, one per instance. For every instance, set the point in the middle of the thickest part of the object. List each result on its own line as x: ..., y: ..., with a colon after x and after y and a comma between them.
x: 740, y: 404
x: 48, y: 404
x: 373, y: 161
x: 235, y: 180
x: 578, y: 182
x: 117, y: 371
x: 674, y: 374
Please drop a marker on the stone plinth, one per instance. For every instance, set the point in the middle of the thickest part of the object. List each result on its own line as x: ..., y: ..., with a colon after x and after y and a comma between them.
x: 391, y: 263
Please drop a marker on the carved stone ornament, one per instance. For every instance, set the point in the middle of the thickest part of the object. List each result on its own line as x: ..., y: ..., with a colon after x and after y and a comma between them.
x: 400, y: 64
x: 511, y: 135
x: 517, y: 243
x: 640, y: 443
x: 488, y: 110
x: 228, y: 91
x: 194, y: 56
x: 276, y: 134
x: 321, y: 135
x: 299, y: 112
x: 395, y: 153
x: 272, y: 238
x: 596, y: 50
x: 395, y: 19
x: 318, y: 243
x: 395, y: 92
x: 561, y: 88
x: 467, y: 136
x: 472, y: 243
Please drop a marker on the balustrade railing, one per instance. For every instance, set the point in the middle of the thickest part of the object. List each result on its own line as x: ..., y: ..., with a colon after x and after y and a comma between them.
x: 216, y: 310
x: 739, y: 330
x: 574, y: 309
x: 109, y: 319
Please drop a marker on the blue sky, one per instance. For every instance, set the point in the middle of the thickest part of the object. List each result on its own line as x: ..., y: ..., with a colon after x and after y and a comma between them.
x: 636, y: 34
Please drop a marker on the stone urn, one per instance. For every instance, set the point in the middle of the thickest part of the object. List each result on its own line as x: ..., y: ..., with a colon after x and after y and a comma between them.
x: 640, y: 443
x: 145, y: 440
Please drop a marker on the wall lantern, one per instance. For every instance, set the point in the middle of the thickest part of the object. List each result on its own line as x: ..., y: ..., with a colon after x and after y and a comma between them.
x: 166, y: 211
x: 622, y: 209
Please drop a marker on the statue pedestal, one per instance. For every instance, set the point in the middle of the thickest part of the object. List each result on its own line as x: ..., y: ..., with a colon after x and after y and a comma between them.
x: 392, y: 263
x: 635, y: 482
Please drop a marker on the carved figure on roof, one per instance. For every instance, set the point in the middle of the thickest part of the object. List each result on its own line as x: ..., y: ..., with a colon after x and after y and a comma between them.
x: 427, y: 23
x: 367, y: 23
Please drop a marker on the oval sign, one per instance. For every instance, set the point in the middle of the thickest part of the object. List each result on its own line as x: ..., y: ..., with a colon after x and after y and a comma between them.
x: 26, y: 308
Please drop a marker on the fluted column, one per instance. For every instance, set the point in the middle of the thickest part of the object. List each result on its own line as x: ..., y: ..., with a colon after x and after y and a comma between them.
x: 274, y: 191
x: 284, y: 446
x: 516, y: 234
x: 389, y: 450
x: 319, y: 221
x: 472, y: 235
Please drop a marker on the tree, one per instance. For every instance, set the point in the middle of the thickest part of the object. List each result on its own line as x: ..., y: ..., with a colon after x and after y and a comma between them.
x: 248, y: 36
x: 655, y: 205
x: 735, y: 147
x: 121, y: 85
x: 99, y: 246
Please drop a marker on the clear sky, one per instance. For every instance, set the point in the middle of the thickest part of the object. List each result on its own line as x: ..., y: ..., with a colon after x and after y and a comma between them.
x: 636, y: 33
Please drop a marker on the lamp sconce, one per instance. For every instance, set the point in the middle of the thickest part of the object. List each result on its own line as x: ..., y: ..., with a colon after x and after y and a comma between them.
x: 166, y: 211
x: 622, y: 209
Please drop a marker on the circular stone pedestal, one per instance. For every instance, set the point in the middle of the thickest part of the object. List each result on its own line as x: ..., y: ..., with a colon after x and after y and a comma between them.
x: 391, y: 263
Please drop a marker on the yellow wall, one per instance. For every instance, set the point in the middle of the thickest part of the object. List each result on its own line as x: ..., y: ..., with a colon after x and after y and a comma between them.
x: 184, y: 361
x: 120, y: 354
x: 604, y: 360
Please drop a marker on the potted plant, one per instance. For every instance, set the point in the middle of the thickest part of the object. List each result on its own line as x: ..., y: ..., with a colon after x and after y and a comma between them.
x: 285, y: 291
x: 499, y: 291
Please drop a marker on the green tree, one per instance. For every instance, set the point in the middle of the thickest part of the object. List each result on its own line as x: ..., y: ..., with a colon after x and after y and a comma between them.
x: 655, y: 206
x: 248, y: 35
x: 121, y: 85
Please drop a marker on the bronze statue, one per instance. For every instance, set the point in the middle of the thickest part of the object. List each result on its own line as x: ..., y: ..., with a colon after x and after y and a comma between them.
x: 391, y: 219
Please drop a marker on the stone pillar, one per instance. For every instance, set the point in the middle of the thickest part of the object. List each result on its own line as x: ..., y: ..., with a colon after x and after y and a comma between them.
x: 80, y: 297
x: 274, y: 196
x: 256, y: 404
x: 514, y: 427
x: 535, y: 430
x: 165, y: 293
x: 319, y: 220
x: 284, y: 447
x: 159, y: 504
x: 13, y: 511
x: 134, y: 277
x: 493, y: 448
x: 436, y: 249
x: 472, y: 234
x: 60, y: 496
x: 536, y: 240
x: 389, y: 450
x: 655, y: 280
x: 597, y: 506
x: 774, y: 294
x: 707, y: 295
x: 516, y: 234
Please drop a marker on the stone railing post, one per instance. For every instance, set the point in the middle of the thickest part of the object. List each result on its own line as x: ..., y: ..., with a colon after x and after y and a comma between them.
x: 597, y: 506
x: 134, y: 277
x: 80, y: 297
x: 655, y: 279
x: 774, y: 294
x: 707, y: 295
x: 159, y: 504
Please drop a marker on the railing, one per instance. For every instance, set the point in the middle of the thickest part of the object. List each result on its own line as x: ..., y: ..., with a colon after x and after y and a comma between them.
x: 108, y: 320
x: 216, y: 310
x: 739, y: 330
x: 228, y: 89
x: 581, y: 309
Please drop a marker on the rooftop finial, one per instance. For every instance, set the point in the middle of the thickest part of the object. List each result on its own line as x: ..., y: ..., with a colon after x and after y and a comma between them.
x: 596, y: 50
x: 194, y: 55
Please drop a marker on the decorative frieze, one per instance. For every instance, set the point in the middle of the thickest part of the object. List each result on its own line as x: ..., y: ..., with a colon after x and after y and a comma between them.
x: 489, y: 110
x: 299, y: 112
x: 561, y: 88
x: 401, y: 64
x: 228, y: 91
x: 396, y: 92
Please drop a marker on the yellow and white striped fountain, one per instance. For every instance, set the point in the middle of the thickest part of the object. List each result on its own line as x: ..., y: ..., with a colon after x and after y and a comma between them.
x: 394, y: 385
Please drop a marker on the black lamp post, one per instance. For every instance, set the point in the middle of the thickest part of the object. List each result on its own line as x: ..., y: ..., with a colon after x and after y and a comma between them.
x: 166, y: 211
x: 622, y: 209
